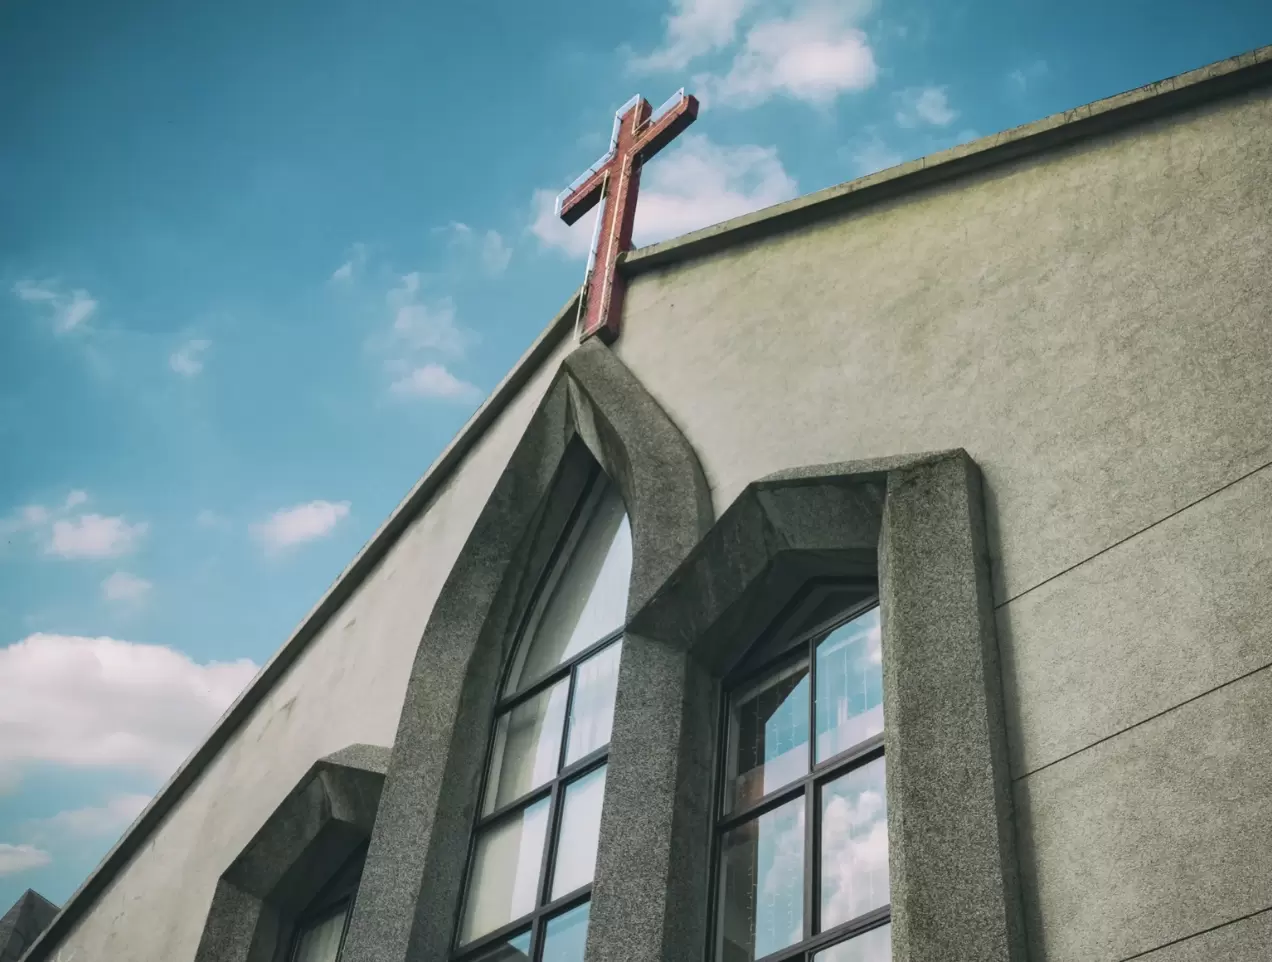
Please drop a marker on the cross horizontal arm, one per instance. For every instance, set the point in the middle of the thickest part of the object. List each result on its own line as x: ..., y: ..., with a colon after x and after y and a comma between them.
x: 584, y: 197
x: 666, y: 128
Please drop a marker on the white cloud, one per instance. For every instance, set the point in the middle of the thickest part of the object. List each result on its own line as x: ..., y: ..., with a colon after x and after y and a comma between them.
x: 434, y: 381
x: 345, y: 273
x: 420, y: 324
x: 125, y: 588
x: 1023, y: 78
x: 208, y: 519
x: 111, y: 818
x: 21, y: 858
x: 69, y: 309
x: 694, y: 28
x: 33, y: 517
x: 694, y: 184
x: 925, y: 105
x: 106, y: 703
x: 814, y: 56
x: 872, y: 154
x: 490, y: 246
x: 187, y: 360
x: 94, y: 536
x: 288, y: 527
x: 495, y: 254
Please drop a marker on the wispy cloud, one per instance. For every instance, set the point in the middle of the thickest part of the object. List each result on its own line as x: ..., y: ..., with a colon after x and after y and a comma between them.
x: 126, y: 588
x: 68, y: 309
x: 90, y: 822
x: 422, y: 323
x: 352, y: 267
x: 105, y: 703
x: 493, y: 252
x: 435, y: 381
x: 21, y: 858
x: 289, y: 527
x: 807, y: 50
x: 924, y: 105
x: 694, y: 184
x: 814, y: 56
x: 694, y: 28
x: 1022, y: 79
x: 94, y: 536
x: 187, y: 360
x: 871, y: 153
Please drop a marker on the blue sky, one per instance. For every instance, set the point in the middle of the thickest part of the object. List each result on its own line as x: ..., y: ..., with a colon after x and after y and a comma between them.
x: 259, y: 262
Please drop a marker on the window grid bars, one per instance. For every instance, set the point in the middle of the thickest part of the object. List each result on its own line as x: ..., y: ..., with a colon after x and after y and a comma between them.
x: 536, y: 920
x: 808, y: 786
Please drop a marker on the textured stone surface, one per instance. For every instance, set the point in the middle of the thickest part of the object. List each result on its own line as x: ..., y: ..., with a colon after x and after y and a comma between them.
x: 955, y: 886
x: 299, y: 849
x: 1249, y: 940
x: 22, y: 924
x: 411, y: 886
x: 951, y: 832
x: 1161, y: 618
x: 1155, y: 835
x: 1090, y: 324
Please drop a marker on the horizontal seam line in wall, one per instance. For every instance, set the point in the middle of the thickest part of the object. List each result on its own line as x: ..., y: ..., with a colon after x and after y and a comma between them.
x: 1144, y: 721
x: 1135, y: 534
x: 1185, y: 938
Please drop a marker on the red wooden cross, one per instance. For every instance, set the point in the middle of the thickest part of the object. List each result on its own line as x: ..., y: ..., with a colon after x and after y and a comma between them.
x: 613, y: 181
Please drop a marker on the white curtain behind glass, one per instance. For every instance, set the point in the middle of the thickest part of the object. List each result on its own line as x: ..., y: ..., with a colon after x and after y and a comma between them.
x: 321, y: 942
x: 589, y: 600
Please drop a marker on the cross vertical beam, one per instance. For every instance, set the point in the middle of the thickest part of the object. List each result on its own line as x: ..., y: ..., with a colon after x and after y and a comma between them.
x: 613, y: 182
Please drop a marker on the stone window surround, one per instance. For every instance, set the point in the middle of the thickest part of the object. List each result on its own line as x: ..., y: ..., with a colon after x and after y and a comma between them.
x: 308, y: 840
x: 701, y: 593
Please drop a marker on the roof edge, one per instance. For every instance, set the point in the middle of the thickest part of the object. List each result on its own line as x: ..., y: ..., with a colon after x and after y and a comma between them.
x: 1216, y: 81
x: 340, y: 591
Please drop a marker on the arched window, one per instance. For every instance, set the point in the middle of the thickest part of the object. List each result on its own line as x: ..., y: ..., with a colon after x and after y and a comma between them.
x: 533, y: 851
x: 802, y: 831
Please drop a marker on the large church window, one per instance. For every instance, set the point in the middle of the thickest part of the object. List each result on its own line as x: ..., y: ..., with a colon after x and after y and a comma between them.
x: 534, y: 849
x: 802, y: 844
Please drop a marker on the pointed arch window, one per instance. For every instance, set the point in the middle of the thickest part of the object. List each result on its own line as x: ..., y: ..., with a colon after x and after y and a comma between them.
x: 533, y: 852
x: 802, y: 832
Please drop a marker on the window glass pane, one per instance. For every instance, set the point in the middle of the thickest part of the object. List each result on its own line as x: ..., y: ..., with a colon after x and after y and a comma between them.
x: 505, y: 872
x: 515, y: 949
x: 566, y: 936
x: 592, y: 709
x: 768, y: 735
x: 872, y: 946
x: 854, y: 844
x: 320, y: 942
x: 849, y: 685
x: 590, y: 598
x: 527, y: 747
x: 580, y: 830
x: 762, y: 885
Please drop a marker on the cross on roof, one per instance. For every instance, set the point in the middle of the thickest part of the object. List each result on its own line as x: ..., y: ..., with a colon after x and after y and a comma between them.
x: 614, y: 181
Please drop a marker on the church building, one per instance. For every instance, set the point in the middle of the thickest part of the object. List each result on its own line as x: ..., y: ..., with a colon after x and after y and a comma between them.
x: 883, y: 576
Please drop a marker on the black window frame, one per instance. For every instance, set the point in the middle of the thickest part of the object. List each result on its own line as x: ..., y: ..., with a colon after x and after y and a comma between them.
x: 335, y: 897
x: 776, y: 651
x: 535, y: 922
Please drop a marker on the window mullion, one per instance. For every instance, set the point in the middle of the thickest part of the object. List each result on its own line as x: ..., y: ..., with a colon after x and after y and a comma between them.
x: 549, y: 845
x: 811, y: 860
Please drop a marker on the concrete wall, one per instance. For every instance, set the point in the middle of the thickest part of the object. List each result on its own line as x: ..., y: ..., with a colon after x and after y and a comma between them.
x: 1094, y: 326
x: 347, y: 687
